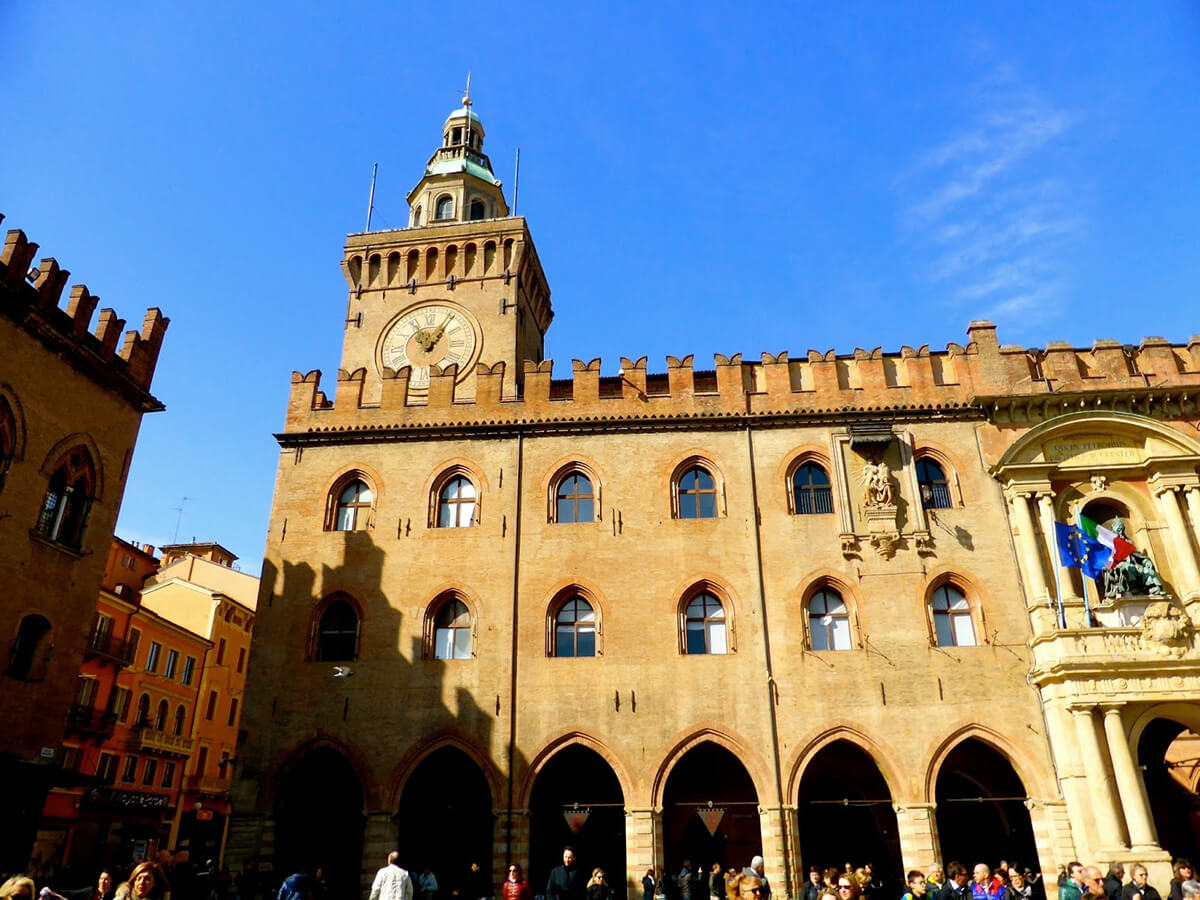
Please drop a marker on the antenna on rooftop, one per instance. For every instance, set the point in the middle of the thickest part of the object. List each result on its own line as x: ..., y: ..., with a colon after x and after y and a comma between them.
x: 516, y: 180
x: 467, y: 107
x: 178, y: 518
x: 371, y: 198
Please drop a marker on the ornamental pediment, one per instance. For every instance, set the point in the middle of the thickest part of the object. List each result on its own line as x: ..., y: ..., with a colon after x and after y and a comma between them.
x: 1098, y: 440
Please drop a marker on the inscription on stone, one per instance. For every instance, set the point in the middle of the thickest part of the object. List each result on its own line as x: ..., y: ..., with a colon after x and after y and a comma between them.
x: 1093, y: 450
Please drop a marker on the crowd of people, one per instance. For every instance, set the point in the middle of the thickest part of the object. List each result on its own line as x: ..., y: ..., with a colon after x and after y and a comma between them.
x: 168, y: 876
x: 174, y: 878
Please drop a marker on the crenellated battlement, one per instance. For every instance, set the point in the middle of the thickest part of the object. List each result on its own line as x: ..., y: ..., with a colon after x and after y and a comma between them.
x: 961, y: 377
x: 448, y: 257
x: 31, y: 295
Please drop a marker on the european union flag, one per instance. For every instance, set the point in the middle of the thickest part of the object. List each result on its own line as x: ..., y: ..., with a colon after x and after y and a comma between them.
x: 1078, y: 550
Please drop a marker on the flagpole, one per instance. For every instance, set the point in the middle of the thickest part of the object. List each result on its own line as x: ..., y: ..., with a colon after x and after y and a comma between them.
x: 1084, y: 579
x: 1062, y: 614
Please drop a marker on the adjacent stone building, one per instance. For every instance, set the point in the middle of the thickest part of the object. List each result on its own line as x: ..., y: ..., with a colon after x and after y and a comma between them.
x: 797, y: 605
x: 71, y: 402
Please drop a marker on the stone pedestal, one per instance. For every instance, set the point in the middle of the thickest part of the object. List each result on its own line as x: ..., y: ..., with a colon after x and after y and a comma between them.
x: 882, y: 531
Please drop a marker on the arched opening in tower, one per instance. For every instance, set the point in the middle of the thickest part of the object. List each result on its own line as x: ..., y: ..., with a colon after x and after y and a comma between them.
x: 981, y: 809
x: 710, y: 815
x: 577, y: 801
x: 445, y: 821
x: 846, y: 816
x: 319, y: 822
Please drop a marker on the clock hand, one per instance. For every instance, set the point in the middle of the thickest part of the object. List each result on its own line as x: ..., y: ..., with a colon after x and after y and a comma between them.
x: 437, y: 335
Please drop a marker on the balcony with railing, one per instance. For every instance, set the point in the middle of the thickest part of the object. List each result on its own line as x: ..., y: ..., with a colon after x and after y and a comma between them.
x: 90, y: 722
x: 151, y: 740
x: 106, y: 647
x: 1133, y: 638
x: 206, y: 784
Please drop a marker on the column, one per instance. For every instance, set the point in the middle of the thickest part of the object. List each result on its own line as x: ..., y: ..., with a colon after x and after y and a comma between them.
x: 1193, y: 504
x: 1187, y: 575
x: 1105, y: 809
x: 1027, y: 546
x: 1133, y: 798
x: 772, y: 851
x: 511, y: 846
x: 1065, y: 581
x: 918, y: 835
x: 379, y: 839
x: 642, y: 846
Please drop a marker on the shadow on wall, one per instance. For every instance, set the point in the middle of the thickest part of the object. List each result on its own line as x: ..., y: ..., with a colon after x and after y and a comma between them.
x: 328, y: 699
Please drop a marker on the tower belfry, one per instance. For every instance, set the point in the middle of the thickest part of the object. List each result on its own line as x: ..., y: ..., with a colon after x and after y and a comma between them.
x: 459, y: 184
x: 459, y: 287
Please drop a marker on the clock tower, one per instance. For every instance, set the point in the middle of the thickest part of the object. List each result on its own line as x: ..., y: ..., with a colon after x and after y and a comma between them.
x: 460, y: 286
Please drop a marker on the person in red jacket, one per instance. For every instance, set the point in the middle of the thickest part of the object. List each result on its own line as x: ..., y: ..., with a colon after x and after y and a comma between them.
x: 515, y: 886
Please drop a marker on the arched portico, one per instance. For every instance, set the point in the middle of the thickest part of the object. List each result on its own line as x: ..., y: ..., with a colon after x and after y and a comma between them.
x: 319, y: 819
x: 710, y: 810
x: 575, y: 798
x: 982, y: 807
x: 444, y: 817
x: 844, y: 807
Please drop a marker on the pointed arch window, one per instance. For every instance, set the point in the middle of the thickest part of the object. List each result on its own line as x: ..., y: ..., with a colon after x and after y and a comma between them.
x: 812, y: 494
x: 68, y: 500
x: 445, y: 208
x: 8, y: 438
x: 143, y: 712
x: 575, y: 499
x: 575, y: 629
x: 829, y: 621
x: 953, y: 625
x: 180, y: 720
x: 697, y: 494
x: 456, y: 503
x: 30, y: 653
x: 704, y: 626
x: 352, y: 510
x: 337, y: 631
x: 933, y: 484
x: 452, y: 630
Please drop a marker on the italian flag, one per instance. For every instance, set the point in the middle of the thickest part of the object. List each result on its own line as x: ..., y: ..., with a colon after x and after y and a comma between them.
x: 1120, y: 547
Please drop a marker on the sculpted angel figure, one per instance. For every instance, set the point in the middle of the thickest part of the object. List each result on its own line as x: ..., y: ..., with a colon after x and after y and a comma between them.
x: 877, y: 479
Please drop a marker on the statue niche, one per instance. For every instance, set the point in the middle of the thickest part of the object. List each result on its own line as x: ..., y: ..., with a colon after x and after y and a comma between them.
x: 1134, y: 576
x: 879, y: 508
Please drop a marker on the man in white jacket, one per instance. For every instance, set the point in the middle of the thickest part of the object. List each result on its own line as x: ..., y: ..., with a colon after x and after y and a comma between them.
x: 392, y: 882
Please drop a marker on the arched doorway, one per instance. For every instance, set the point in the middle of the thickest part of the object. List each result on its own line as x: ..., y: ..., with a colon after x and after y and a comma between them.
x: 846, y: 815
x: 319, y: 822
x: 445, y: 818
x: 1169, y: 754
x: 710, y: 812
x: 981, y: 811
x: 577, y: 801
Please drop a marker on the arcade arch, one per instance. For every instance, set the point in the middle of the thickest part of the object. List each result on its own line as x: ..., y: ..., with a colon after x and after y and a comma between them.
x: 709, y: 810
x: 319, y: 819
x: 1168, y: 753
x: 844, y: 806
x: 982, y: 807
x: 576, y: 799
x: 445, y: 815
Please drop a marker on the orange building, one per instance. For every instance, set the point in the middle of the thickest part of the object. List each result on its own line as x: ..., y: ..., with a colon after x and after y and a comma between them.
x: 199, y: 588
x: 130, y: 728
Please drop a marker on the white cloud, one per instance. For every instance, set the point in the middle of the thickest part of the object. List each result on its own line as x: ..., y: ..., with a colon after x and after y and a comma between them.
x: 985, y: 208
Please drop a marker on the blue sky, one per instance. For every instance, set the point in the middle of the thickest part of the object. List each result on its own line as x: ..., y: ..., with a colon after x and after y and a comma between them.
x: 698, y: 178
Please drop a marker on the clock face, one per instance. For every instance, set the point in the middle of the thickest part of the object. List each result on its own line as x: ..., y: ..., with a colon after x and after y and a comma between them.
x: 428, y: 335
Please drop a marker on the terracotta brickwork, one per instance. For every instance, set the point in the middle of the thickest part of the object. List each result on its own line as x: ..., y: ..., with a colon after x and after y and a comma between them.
x: 71, y: 401
x: 936, y: 463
